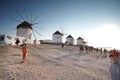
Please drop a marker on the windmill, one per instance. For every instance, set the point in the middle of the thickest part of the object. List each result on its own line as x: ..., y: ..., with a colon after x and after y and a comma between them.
x: 84, y: 39
x: 27, y: 27
x: 62, y: 30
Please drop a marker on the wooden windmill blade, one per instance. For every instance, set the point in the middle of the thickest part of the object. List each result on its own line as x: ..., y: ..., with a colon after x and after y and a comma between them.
x: 38, y: 27
x: 26, y: 14
x: 37, y: 32
x: 20, y: 15
x: 15, y: 20
x: 35, y: 19
x: 34, y: 34
x: 34, y: 31
x: 31, y: 16
x: 34, y: 23
x: 62, y: 30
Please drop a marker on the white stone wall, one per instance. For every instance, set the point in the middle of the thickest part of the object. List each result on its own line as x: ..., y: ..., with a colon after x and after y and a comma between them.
x: 8, y: 39
x: 57, y: 38
x: 70, y: 40
x: 79, y: 42
x: 24, y: 32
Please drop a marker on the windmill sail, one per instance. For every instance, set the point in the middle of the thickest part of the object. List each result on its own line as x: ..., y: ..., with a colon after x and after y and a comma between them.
x: 26, y: 27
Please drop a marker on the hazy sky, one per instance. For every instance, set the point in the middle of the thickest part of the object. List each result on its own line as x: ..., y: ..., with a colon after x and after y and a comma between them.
x: 97, y: 21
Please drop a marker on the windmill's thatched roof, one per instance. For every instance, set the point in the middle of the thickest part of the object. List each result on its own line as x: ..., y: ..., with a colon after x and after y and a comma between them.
x: 69, y: 36
x: 24, y: 24
x: 57, y: 32
x: 79, y: 38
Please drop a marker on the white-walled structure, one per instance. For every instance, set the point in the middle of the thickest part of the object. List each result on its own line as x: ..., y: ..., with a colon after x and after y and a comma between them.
x: 80, y: 41
x: 57, y: 37
x: 69, y: 39
x: 10, y: 40
x: 24, y: 30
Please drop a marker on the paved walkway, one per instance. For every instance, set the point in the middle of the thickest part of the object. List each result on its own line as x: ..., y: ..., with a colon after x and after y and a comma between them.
x: 115, y: 71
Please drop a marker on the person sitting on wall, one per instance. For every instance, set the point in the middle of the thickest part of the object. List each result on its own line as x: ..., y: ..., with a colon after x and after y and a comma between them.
x: 17, y: 41
x: 24, y: 41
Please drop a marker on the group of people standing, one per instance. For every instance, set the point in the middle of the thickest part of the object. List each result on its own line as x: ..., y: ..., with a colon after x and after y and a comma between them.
x: 18, y: 41
x: 88, y: 49
x: 114, y: 54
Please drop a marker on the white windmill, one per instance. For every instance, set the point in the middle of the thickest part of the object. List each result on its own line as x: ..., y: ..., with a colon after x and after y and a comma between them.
x: 63, y: 32
x: 69, y: 40
x: 58, y: 36
x: 26, y: 28
x: 79, y: 41
x: 82, y: 40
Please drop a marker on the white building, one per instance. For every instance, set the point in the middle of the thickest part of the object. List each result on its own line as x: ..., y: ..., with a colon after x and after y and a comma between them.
x: 80, y: 41
x: 24, y: 30
x: 69, y: 39
x: 57, y: 37
x: 10, y: 40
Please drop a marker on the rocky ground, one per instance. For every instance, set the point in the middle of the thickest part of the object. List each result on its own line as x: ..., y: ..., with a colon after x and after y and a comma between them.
x: 51, y: 62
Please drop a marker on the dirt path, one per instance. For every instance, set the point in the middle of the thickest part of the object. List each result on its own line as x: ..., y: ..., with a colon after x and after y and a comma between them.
x: 51, y: 62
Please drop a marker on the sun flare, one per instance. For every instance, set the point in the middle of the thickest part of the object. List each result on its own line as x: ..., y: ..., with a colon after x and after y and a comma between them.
x: 105, y: 36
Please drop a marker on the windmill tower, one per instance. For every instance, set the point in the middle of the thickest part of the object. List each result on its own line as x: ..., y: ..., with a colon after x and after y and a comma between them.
x: 24, y: 30
x: 26, y: 27
x: 69, y: 40
x: 79, y: 41
x: 57, y: 37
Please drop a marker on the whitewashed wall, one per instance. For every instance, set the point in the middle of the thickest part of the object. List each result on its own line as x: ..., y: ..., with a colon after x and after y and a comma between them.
x: 69, y: 40
x: 57, y: 38
x: 24, y: 32
x: 79, y: 42
x: 8, y: 39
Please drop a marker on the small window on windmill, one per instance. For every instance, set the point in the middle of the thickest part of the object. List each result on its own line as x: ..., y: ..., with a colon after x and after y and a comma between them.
x: 9, y: 37
x: 2, y: 38
x: 57, y: 38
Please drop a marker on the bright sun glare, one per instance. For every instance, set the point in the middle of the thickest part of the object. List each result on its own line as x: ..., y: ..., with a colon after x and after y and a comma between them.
x: 105, y: 36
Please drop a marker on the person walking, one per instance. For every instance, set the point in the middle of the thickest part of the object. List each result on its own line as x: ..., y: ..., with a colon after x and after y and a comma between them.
x: 25, y: 52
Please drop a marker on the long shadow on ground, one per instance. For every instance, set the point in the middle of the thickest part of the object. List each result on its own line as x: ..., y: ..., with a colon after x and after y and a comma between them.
x: 115, y: 71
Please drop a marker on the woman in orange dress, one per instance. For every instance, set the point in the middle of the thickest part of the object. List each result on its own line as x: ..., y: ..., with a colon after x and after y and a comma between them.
x: 25, y: 52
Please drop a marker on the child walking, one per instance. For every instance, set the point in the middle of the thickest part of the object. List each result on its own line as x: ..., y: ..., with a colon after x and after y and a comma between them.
x: 25, y: 52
